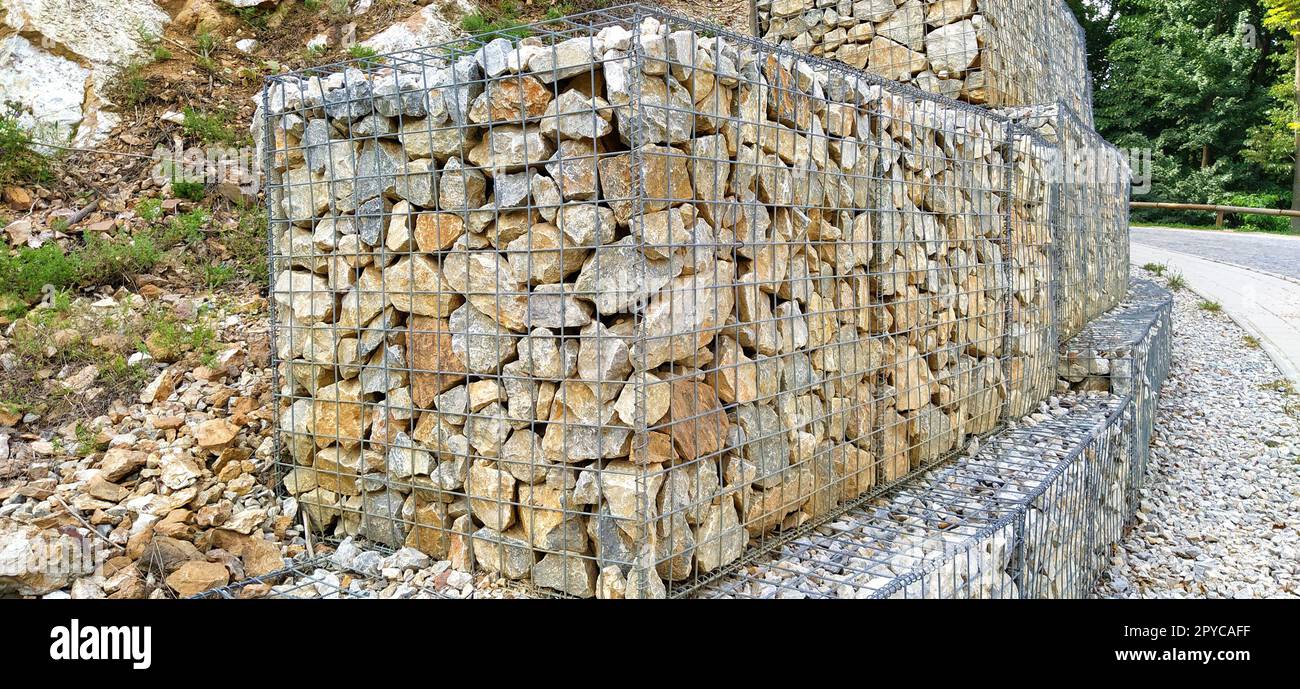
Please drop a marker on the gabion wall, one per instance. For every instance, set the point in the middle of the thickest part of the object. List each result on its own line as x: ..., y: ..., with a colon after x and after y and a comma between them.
x: 1092, y: 179
x: 599, y: 309
x: 986, y: 52
x: 1029, y: 515
x: 1126, y: 352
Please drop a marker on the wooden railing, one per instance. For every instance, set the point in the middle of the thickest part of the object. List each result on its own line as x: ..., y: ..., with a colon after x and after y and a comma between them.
x: 1219, y: 211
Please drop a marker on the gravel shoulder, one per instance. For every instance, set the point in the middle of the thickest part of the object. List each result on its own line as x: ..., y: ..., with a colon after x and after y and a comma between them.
x: 1220, y: 517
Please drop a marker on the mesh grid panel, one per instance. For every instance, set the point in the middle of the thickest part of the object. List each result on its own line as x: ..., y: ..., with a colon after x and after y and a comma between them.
x: 987, y: 52
x: 603, y: 309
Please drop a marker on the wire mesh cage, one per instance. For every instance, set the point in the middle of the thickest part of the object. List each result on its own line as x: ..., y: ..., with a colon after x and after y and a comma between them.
x: 1018, y: 517
x: 987, y: 52
x: 1127, y: 352
x: 602, y: 304
x: 1091, y: 178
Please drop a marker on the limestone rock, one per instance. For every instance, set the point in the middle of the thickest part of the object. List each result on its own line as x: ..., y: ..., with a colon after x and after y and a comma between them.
x: 415, y: 284
x: 196, y: 576
x: 492, y: 494
x: 489, y: 282
x: 478, y: 340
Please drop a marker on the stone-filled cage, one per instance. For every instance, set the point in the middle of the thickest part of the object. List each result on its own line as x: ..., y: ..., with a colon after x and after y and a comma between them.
x: 605, y: 305
x: 996, y: 53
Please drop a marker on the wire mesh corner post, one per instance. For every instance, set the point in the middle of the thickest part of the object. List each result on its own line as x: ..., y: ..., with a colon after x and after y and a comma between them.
x: 601, y: 306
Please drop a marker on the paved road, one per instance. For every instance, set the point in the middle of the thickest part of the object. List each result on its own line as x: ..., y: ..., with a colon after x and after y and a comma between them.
x: 1265, y: 306
x: 1270, y: 253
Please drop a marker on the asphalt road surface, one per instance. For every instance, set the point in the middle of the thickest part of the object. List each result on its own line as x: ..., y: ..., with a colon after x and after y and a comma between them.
x: 1276, y: 254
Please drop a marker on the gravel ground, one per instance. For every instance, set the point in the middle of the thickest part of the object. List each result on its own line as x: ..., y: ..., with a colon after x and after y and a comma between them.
x: 1220, y: 517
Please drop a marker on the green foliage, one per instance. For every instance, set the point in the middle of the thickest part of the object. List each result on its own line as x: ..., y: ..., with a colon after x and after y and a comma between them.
x: 149, y: 210
x: 252, y: 17
x: 561, y: 10
x: 103, y: 260
x: 357, y: 51
x: 1210, y: 306
x: 19, y: 162
x: 190, y: 191
x: 131, y: 87
x: 1251, y: 342
x: 26, y: 274
x: 216, y: 275
x: 246, y: 242
x: 86, y: 443
x: 1283, y: 15
x: 169, y: 337
x: 1270, y: 144
x: 1259, y: 223
x: 336, y: 8
x: 210, y: 128
x: 106, y: 261
x: 187, y: 228
x: 1178, y: 78
x: 504, y: 21
x: 1176, y: 281
x: 1156, y: 269
x: 207, y: 43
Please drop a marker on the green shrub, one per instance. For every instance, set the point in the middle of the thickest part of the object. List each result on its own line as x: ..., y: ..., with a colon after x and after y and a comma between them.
x: 210, y: 128
x: 1211, y: 306
x: 246, y: 242
x: 186, y: 228
x: 360, y: 52
x: 1176, y: 281
x: 169, y: 337
x: 1260, y: 223
x: 131, y: 88
x: 150, y: 210
x: 104, y: 261
x: 215, y: 275
x: 27, y: 273
x: 190, y: 191
x: 19, y: 163
x: 557, y: 11
x: 504, y: 21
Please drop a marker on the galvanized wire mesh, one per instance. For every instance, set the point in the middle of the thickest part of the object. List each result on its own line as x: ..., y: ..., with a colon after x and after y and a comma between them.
x: 1127, y: 351
x: 1091, y: 179
x: 1026, y: 515
x: 987, y: 52
x: 603, y: 308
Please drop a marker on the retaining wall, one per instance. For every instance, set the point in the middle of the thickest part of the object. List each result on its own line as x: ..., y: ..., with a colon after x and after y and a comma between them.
x: 987, y: 52
x: 602, y: 309
x: 1091, y: 179
x: 1030, y: 513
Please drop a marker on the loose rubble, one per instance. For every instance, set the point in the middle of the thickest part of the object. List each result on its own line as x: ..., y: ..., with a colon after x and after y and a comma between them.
x: 169, y: 494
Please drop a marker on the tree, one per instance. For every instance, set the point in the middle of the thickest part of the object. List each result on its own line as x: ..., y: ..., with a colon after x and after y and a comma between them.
x: 1284, y: 15
x: 1176, y: 76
